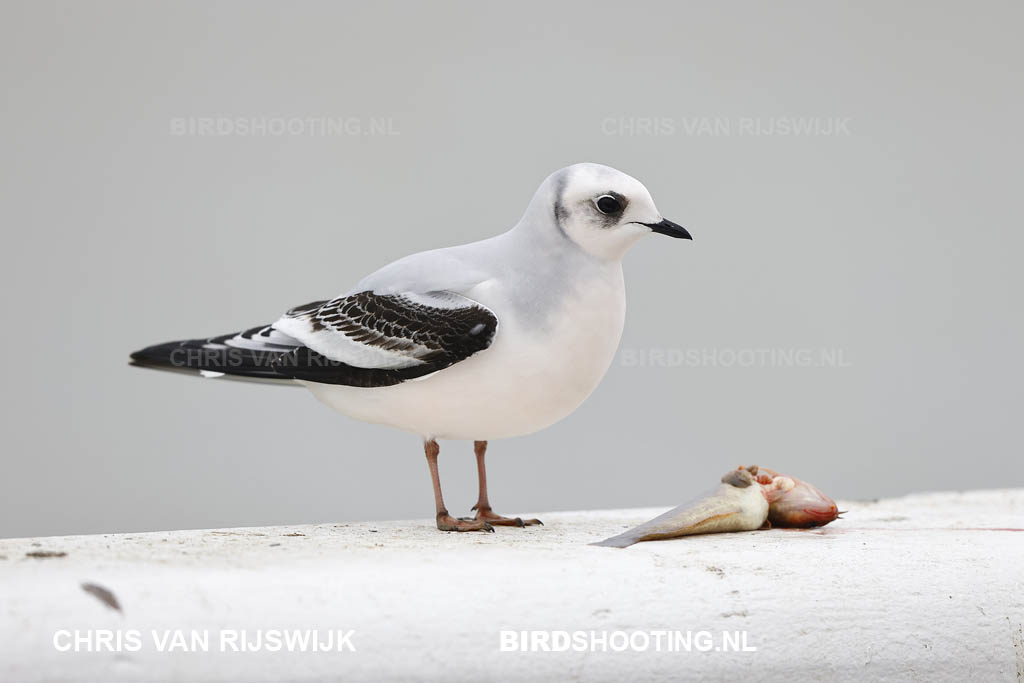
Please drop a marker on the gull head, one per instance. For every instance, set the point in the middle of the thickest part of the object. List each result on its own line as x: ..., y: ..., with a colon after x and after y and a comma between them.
x: 600, y: 209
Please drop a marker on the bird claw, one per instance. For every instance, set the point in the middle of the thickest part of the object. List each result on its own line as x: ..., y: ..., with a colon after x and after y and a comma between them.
x: 485, y: 514
x: 446, y: 522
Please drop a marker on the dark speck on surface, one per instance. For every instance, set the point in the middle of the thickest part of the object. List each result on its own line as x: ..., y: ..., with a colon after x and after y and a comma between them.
x: 103, y: 595
x: 46, y: 553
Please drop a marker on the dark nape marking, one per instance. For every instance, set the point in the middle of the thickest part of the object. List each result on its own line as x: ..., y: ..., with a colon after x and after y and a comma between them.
x: 103, y: 595
x: 560, y: 212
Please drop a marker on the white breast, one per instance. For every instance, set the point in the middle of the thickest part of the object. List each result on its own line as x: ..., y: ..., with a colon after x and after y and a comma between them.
x: 535, y: 372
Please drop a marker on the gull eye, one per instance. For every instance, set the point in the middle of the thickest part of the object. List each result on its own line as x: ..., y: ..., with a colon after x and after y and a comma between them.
x: 608, y: 204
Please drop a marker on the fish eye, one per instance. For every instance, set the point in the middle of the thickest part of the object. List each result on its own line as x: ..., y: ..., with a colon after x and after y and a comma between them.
x: 608, y: 204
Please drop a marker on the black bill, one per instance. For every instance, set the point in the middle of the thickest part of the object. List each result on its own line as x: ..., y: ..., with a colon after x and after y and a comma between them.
x: 669, y: 228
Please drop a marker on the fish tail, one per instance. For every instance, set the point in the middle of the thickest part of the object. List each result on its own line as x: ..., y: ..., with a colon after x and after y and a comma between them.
x: 620, y: 541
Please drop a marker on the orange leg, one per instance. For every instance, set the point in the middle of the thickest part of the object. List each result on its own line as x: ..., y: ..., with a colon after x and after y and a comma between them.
x: 445, y: 522
x: 484, y: 513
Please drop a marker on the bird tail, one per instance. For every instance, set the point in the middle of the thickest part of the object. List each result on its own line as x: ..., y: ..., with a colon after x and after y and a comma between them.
x: 250, y: 355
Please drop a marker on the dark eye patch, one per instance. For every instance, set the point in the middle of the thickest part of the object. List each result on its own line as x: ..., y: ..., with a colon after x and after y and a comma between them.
x: 608, y: 205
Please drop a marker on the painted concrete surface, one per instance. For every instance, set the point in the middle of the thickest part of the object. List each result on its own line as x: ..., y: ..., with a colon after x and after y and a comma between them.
x: 929, y: 587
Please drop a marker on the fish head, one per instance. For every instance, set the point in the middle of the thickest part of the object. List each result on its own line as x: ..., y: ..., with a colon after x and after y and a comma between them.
x: 794, y: 502
x: 802, y: 506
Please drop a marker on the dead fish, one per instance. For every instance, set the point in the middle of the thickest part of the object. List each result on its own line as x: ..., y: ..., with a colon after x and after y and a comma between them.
x: 738, y: 504
x: 794, y: 502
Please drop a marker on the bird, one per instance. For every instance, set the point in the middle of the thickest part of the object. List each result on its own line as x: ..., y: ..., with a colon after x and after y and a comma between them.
x: 488, y: 340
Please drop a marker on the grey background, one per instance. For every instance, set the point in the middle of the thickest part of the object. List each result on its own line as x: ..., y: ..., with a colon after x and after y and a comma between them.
x: 894, y: 241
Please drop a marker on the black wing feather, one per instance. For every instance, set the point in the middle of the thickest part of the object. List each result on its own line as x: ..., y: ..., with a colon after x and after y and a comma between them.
x: 389, y: 322
x: 213, y: 355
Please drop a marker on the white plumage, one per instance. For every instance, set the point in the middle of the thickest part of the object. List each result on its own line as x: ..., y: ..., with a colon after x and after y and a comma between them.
x: 493, y: 339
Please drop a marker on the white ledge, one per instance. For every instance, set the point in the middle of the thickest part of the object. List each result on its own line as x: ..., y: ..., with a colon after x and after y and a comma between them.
x: 916, y: 588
